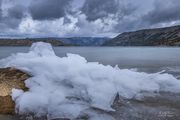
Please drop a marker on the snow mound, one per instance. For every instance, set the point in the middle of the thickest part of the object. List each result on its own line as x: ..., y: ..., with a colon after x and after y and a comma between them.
x: 66, y: 86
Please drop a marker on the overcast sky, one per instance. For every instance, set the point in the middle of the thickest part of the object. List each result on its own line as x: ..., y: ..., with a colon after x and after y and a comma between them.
x: 67, y: 18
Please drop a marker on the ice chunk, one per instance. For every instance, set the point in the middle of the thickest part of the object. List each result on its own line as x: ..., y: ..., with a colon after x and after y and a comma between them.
x: 65, y: 86
x: 42, y: 49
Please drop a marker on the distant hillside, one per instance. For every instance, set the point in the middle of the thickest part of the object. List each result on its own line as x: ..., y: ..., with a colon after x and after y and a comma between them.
x: 76, y: 41
x: 85, y: 41
x: 28, y: 42
x: 169, y: 36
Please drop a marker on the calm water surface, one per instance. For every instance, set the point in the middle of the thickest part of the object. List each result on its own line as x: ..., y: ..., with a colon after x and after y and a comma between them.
x: 126, y: 56
x: 143, y: 58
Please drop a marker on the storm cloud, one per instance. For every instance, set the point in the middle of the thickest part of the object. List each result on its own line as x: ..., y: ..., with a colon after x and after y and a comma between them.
x: 49, y: 9
x: 64, y: 18
x: 95, y: 9
x: 10, y: 15
x: 17, y: 12
x: 163, y: 11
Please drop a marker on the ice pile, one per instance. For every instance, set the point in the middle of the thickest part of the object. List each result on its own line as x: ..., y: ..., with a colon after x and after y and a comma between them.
x: 65, y: 86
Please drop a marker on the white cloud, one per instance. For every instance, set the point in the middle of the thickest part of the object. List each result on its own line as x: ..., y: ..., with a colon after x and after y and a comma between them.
x: 55, y: 27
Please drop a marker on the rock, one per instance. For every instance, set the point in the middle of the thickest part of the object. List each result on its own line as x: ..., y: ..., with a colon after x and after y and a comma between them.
x: 10, y: 78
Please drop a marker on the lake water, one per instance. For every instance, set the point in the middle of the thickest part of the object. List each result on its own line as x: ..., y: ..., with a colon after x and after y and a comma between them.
x: 151, y: 59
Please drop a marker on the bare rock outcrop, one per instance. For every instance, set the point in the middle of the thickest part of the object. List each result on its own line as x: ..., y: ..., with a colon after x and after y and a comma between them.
x: 10, y: 78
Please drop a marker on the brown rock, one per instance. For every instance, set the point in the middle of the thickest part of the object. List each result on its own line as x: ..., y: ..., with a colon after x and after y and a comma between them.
x: 10, y: 78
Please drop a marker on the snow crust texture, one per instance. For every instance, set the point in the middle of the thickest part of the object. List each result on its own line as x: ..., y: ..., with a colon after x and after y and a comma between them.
x: 66, y: 86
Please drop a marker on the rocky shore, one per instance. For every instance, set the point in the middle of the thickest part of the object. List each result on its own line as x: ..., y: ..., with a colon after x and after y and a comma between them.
x: 10, y: 78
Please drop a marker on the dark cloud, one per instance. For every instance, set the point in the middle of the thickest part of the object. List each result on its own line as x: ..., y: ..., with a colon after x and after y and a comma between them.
x: 0, y: 9
x: 163, y: 11
x: 95, y: 9
x: 48, y: 9
x: 14, y: 16
x: 17, y: 11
